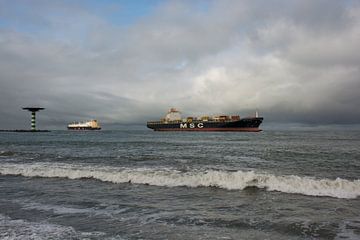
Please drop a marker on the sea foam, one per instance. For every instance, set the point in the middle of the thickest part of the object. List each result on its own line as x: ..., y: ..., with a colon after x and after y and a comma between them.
x: 20, y: 229
x: 231, y: 180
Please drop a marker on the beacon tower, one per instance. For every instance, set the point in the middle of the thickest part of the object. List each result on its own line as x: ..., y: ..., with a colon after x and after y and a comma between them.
x: 33, y: 111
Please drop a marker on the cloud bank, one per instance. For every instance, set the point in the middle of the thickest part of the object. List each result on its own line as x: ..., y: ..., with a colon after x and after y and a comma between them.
x: 295, y: 61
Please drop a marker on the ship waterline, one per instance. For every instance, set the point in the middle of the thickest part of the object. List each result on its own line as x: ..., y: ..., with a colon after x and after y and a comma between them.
x: 213, y: 130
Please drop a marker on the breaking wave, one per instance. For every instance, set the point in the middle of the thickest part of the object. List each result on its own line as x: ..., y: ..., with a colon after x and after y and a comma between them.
x: 231, y: 180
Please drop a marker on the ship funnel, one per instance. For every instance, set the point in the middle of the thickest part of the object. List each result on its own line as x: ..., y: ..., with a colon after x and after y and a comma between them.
x: 256, y: 114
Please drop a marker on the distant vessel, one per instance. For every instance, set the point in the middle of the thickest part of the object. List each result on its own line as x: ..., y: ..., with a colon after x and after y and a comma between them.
x: 88, y: 125
x: 174, y: 122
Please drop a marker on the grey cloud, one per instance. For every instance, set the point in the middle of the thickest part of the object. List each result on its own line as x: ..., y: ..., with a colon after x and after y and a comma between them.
x: 295, y: 61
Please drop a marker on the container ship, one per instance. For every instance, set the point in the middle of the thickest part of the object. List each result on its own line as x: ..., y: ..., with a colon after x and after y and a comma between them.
x: 174, y: 122
x: 87, y: 125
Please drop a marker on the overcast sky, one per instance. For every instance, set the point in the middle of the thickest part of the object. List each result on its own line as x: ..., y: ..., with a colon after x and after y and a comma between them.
x: 129, y: 61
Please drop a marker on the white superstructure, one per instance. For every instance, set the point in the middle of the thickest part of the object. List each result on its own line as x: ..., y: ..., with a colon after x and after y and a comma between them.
x: 87, y: 125
x: 173, y: 115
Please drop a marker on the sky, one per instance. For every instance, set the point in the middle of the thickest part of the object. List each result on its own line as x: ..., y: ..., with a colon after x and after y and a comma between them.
x: 125, y: 62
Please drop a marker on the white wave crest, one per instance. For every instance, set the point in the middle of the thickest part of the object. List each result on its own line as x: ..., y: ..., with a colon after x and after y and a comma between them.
x: 339, y: 188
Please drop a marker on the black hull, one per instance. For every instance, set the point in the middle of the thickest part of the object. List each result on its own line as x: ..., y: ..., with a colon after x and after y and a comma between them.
x: 243, y: 125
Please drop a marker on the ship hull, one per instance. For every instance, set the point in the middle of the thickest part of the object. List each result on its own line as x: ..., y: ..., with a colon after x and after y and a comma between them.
x: 213, y: 130
x: 243, y: 125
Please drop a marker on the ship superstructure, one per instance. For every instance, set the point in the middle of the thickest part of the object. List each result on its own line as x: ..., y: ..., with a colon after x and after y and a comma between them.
x: 87, y: 125
x: 173, y: 122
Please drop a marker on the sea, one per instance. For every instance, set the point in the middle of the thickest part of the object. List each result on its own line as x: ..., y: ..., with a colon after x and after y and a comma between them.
x: 140, y: 184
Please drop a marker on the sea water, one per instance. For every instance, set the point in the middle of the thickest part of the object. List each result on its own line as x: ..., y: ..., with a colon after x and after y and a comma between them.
x: 140, y: 184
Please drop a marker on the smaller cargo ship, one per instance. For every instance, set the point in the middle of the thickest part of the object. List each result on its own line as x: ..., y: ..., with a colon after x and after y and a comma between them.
x: 87, y: 125
x: 174, y: 122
